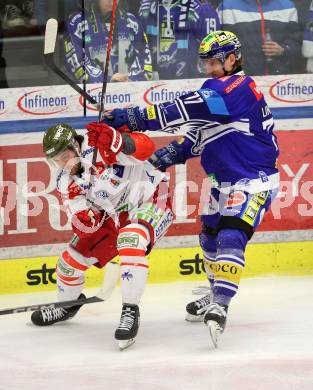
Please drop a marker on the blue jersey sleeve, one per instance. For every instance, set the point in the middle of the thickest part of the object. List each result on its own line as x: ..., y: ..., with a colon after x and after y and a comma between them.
x: 217, y: 102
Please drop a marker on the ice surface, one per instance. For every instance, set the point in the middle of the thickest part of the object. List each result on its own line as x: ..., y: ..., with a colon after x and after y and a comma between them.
x: 267, y: 344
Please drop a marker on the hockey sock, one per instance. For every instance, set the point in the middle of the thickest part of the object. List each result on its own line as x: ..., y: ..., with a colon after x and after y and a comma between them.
x: 229, y: 264
x: 132, y: 245
x: 70, y: 272
x: 208, y: 245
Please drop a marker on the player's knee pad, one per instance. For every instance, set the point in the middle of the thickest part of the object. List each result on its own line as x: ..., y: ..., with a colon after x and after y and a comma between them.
x: 71, y: 268
x: 133, y: 241
x: 230, y: 261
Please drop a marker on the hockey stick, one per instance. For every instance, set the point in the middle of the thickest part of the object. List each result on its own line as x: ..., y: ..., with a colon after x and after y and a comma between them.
x: 110, y: 279
x: 104, y: 87
x: 50, y: 43
x: 107, y: 59
x: 22, y: 309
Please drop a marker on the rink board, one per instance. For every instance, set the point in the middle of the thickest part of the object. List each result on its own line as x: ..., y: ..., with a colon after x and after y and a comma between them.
x: 166, y: 265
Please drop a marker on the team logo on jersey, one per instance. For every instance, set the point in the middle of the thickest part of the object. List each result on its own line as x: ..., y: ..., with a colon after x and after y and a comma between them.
x: 101, y: 194
x: 127, y: 275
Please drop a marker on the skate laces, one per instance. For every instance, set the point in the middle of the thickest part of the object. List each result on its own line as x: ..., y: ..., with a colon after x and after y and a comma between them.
x: 51, y: 313
x: 202, y: 302
x: 127, y: 318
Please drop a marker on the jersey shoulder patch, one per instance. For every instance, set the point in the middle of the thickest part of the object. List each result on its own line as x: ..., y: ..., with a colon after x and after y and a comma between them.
x: 212, y: 95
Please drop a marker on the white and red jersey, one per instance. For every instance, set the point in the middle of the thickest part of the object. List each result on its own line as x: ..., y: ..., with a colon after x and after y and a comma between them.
x: 114, y: 188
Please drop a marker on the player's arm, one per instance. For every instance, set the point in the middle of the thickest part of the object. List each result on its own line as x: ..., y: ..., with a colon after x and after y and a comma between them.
x: 110, y: 142
x: 176, y: 152
x: 73, y: 52
x: 168, y: 115
x: 83, y: 219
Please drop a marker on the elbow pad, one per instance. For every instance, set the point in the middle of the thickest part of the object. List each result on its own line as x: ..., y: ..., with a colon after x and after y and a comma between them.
x: 144, y: 146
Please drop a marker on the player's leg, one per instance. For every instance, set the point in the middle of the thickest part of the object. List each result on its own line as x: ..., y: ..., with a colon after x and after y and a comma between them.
x: 97, y: 249
x: 132, y: 245
x: 70, y: 272
x: 207, y: 238
x: 236, y: 226
x: 145, y: 225
x: 228, y: 268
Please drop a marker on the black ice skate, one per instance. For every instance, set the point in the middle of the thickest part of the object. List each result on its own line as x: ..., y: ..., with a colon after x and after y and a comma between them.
x: 50, y: 315
x: 129, y: 325
x: 196, y: 309
x: 215, y: 319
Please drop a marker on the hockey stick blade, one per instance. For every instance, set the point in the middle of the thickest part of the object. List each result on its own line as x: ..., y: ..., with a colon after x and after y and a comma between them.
x: 49, y: 49
x: 51, y: 36
x: 23, y: 309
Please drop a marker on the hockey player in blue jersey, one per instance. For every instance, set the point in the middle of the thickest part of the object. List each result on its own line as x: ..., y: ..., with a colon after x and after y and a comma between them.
x: 228, y: 124
x: 174, y: 29
x: 130, y: 56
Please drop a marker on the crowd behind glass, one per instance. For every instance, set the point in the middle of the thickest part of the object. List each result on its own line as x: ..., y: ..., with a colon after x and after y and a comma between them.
x: 153, y: 39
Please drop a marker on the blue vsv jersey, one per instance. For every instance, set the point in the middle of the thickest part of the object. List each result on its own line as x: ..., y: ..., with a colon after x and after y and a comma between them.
x: 130, y: 51
x: 228, y: 123
x: 175, y: 29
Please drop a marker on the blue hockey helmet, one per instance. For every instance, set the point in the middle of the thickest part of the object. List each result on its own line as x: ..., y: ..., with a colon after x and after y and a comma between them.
x: 219, y: 44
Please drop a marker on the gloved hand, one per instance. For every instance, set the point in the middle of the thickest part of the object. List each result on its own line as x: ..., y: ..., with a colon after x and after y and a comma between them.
x: 133, y: 117
x: 108, y: 141
x: 171, y: 154
x: 85, y: 222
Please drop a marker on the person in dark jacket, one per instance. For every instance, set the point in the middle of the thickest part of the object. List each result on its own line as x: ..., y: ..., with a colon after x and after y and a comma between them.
x: 269, y: 31
x: 307, y: 46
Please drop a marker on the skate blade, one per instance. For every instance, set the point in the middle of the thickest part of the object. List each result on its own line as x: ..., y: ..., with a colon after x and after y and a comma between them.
x: 215, y: 332
x: 193, y: 318
x: 123, y: 344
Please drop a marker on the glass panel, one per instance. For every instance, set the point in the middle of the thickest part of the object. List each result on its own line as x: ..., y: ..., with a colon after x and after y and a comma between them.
x: 153, y: 39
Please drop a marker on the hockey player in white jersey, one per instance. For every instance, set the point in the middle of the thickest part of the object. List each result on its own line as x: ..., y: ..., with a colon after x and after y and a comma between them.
x: 128, y: 209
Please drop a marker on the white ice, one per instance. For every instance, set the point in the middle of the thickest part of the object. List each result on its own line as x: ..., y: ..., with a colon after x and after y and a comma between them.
x: 268, y: 344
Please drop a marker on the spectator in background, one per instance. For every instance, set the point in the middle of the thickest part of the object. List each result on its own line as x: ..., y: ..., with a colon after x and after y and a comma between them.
x: 269, y: 32
x: 18, y: 13
x: 3, y: 82
x: 175, y: 30
x: 130, y: 55
x: 307, y: 47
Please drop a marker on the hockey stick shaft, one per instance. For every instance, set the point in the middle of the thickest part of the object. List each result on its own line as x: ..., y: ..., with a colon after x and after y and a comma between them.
x: 107, y: 59
x: 50, y: 43
x: 104, y: 87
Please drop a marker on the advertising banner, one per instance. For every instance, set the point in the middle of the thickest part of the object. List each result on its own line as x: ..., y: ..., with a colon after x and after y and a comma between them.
x: 31, y: 213
x: 293, y: 92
